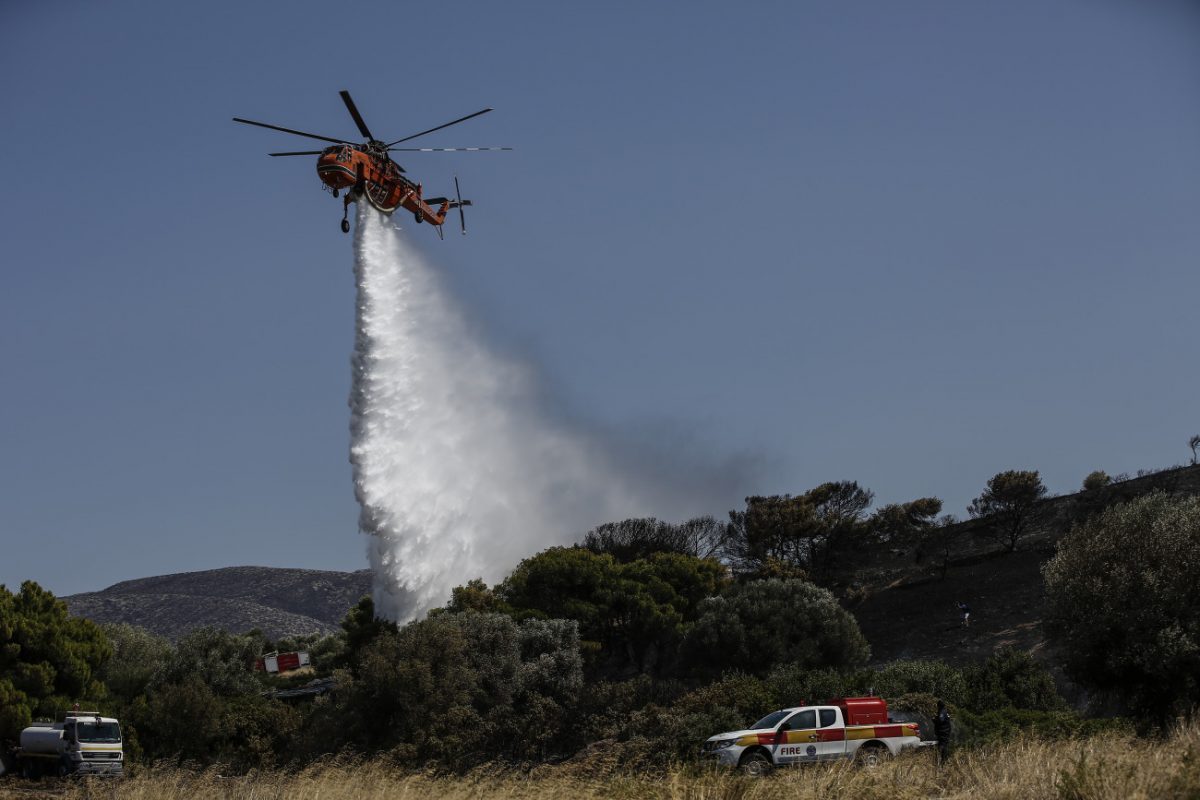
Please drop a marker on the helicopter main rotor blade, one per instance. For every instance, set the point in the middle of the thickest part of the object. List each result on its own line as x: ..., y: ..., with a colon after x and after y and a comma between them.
x: 439, y: 127
x: 443, y: 149
x: 299, y: 153
x: 289, y: 130
x: 358, y: 120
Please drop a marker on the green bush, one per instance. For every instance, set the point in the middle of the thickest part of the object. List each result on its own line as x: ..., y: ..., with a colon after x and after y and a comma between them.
x: 677, y: 731
x: 1122, y: 603
x: 458, y: 689
x: 760, y: 624
x: 635, y: 613
x: 793, y: 685
x: 900, y: 678
x: 223, y: 661
x: 138, y: 657
x: 1011, y: 678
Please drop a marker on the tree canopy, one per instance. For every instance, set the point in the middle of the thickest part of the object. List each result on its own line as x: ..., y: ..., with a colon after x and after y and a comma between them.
x: 632, y: 539
x: 454, y: 687
x: 817, y: 533
x: 633, y: 614
x: 1010, y: 500
x: 49, y: 660
x: 1122, y: 602
x: 759, y: 624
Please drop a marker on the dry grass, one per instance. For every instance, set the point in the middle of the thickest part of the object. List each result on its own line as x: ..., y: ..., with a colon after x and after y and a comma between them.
x: 1093, y: 769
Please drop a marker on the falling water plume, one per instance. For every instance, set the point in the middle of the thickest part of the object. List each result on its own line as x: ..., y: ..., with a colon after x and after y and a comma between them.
x: 457, y: 473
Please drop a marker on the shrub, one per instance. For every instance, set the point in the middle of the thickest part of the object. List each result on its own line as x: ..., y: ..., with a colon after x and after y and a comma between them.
x: 459, y: 689
x: 793, y: 685
x: 759, y: 624
x: 223, y: 661
x: 1011, y: 678
x: 908, y: 677
x: 1122, y: 603
x: 676, y: 732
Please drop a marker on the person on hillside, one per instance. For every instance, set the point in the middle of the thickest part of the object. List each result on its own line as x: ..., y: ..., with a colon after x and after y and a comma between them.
x: 943, y: 729
x: 966, y: 614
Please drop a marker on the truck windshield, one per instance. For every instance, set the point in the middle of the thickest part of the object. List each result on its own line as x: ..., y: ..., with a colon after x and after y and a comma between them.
x: 769, y: 721
x: 109, y: 732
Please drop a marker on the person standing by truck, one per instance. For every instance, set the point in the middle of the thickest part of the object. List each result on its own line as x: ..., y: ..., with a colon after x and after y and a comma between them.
x: 943, y: 729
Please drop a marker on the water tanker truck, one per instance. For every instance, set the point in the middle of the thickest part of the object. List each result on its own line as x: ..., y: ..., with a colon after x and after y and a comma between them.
x: 83, y: 743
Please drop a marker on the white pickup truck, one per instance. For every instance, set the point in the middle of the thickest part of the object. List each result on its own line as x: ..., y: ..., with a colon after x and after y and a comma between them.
x: 846, y: 727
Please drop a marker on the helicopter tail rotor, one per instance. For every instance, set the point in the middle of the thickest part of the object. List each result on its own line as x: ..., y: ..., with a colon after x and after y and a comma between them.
x: 459, y: 203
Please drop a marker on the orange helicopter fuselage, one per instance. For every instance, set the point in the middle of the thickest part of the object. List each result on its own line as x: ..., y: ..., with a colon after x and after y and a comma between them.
x: 345, y: 167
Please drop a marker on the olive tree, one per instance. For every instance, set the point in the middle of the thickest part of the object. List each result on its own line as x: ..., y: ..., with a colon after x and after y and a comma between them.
x: 1122, y: 603
x: 138, y: 656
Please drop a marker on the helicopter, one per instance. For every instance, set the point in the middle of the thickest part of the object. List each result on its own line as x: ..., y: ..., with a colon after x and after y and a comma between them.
x: 366, y: 170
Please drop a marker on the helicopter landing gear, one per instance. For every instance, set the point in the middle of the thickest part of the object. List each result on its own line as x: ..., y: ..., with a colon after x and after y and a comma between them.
x: 335, y: 192
x: 346, y: 212
x: 345, y: 226
x: 418, y: 217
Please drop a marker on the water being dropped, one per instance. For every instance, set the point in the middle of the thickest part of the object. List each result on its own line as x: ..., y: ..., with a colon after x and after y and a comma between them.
x: 457, y: 472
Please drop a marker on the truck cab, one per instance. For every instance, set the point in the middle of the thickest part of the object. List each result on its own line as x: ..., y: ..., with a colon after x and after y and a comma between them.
x: 851, y: 727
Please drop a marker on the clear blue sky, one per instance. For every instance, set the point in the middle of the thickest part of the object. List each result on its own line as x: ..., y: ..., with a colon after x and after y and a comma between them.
x: 910, y: 244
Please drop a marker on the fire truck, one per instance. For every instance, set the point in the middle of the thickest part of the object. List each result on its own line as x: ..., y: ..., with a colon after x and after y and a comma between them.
x: 856, y: 728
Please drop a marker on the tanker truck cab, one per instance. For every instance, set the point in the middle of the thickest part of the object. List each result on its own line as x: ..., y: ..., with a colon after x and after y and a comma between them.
x: 850, y: 727
x: 97, y: 740
x: 83, y: 743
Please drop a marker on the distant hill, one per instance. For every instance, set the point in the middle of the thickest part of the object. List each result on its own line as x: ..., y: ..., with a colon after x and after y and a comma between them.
x: 279, y: 602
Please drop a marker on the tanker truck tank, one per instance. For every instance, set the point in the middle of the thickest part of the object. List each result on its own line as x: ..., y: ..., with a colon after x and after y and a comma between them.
x: 43, y: 738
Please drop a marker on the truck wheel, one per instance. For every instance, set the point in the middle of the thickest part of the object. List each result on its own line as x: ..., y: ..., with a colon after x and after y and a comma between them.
x: 756, y: 764
x: 873, y: 755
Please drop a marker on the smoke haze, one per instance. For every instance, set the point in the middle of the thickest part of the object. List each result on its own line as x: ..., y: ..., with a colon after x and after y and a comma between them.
x: 460, y: 468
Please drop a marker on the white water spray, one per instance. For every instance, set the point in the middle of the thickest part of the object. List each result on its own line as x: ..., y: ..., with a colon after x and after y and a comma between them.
x: 458, y: 474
